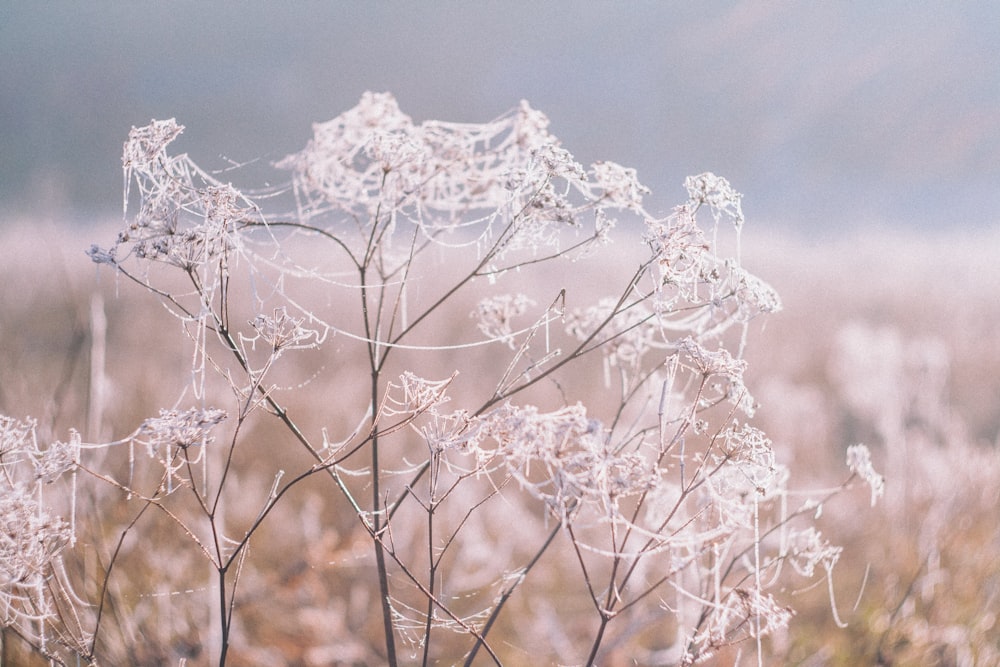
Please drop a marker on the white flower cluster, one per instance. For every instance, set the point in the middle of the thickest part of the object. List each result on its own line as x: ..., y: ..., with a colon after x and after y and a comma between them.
x: 690, y: 271
x: 180, y: 428
x: 564, y: 458
x: 281, y: 331
x: 718, y: 194
x: 186, y: 217
x: 509, y: 175
x: 32, y: 536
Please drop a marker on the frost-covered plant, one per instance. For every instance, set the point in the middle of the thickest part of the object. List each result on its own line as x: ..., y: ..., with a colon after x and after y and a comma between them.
x: 37, y: 600
x: 599, y: 442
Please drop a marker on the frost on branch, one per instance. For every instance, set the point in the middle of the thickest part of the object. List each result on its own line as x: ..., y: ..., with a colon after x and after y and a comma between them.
x: 169, y: 437
x: 608, y: 409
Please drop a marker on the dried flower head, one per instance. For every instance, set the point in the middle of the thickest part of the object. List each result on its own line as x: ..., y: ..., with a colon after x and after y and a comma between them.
x: 718, y: 194
x: 147, y: 145
x: 808, y: 548
x: 180, y: 428
x: 17, y: 439
x: 496, y: 315
x: 281, y: 331
x: 859, y: 461
x: 619, y: 186
x: 58, y: 458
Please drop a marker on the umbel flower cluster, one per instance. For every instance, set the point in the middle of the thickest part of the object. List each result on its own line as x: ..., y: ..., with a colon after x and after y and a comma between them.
x: 608, y: 420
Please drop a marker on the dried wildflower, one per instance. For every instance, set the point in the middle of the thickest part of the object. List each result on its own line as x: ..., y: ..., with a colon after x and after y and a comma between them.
x: 564, y: 459
x: 726, y: 370
x: 375, y: 151
x: 419, y: 395
x: 146, y: 145
x: 860, y: 463
x: 807, y: 548
x: 456, y: 431
x: 682, y: 252
x: 753, y: 296
x: 185, y: 217
x: 531, y: 127
x: 758, y: 614
x: 557, y: 162
x: 17, y: 439
x: 708, y: 362
x: 280, y: 331
x: 180, y: 428
x: 496, y: 313
x: 30, y: 539
x: 58, y: 458
x: 619, y: 185
x: 715, y: 191
x: 740, y: 615
x: 661, y: 487
x: 394, y: 151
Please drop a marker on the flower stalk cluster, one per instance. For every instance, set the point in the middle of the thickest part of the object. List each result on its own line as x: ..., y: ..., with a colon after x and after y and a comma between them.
x: 613, y: 423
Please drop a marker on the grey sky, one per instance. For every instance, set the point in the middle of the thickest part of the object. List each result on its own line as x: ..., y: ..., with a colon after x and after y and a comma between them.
x: 826, y: 115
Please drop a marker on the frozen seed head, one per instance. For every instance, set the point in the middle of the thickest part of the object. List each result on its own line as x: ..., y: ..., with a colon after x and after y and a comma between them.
x: 718, y: 194
x: 146, y: 145
x: 17, y: 440
x: 57, y: 458
x: 808, y: 549
x: 620, y: 185
x: 180, y: 428
x: 30, y: 541
x: 859, y: 461
x: 496, y: 315
x: 712, y: 362
x: 281, y: 331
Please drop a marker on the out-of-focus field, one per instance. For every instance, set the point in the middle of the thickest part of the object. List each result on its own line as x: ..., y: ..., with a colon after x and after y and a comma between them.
x: 887, y: 340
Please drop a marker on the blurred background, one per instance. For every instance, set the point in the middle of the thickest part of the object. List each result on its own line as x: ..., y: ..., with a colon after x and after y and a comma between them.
x: 829, y: 116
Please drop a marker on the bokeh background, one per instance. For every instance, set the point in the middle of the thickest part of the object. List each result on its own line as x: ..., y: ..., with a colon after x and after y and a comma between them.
x: 864, y: 136
x: 831, y: 115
